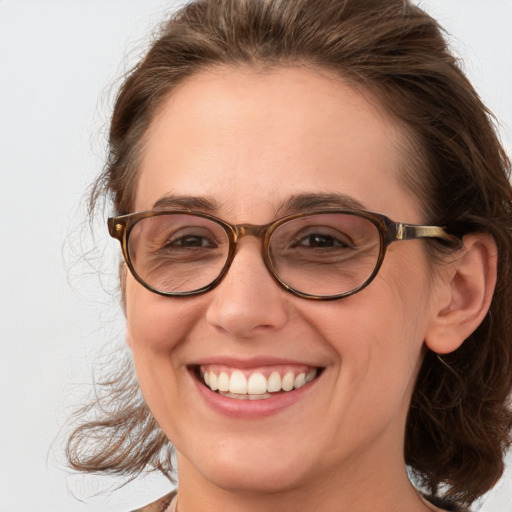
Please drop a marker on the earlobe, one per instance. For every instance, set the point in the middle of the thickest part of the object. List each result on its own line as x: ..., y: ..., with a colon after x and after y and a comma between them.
x: 469, y: 290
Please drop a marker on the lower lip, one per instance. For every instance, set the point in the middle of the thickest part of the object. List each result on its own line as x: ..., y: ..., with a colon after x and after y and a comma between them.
x: 252, y: 409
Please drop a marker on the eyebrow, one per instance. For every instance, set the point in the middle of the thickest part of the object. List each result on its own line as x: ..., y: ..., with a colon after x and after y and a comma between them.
x: 312, y: 201
x: 190, y: 202
x: 294, y: 204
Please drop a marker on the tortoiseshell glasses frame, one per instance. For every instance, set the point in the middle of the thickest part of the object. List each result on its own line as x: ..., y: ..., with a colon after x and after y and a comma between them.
x: 323, y: 254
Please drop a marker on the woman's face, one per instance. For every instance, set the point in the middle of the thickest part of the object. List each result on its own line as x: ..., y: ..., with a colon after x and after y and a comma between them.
x: 243, y: 144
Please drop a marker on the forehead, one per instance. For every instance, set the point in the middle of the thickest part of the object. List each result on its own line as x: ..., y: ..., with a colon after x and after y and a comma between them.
x: 247, y: 138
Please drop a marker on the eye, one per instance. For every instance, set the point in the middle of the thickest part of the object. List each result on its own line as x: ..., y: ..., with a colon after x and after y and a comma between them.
x: 318, y: 240
x: 191, y: 241
x: 320, y: 237
x: 187, y: 245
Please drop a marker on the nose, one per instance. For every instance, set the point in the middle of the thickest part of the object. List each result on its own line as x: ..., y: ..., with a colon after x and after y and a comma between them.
x: 248, y: 302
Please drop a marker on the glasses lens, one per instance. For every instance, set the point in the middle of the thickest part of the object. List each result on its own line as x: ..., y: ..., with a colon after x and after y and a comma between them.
x: 325, y: 254
x: 177, y: 252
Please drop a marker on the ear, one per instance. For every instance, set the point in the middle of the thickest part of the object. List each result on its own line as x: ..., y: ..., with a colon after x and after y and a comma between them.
x: 468, y: 286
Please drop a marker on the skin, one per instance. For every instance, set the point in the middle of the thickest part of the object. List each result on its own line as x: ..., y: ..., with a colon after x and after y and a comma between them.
x: 250, y: 140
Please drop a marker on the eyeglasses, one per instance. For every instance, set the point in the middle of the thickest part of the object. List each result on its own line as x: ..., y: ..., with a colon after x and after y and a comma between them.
x: 319, y: 255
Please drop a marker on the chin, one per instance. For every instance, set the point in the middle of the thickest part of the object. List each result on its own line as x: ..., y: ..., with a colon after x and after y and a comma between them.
x: 252, y: 468
x: 247, y: 478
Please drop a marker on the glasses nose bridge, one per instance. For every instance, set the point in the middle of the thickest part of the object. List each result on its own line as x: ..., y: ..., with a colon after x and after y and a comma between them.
x: 255, y: 230
x: 242, y: 230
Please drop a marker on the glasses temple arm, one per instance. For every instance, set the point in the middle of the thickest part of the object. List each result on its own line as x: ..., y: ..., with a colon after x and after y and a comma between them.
x: 414, y: 231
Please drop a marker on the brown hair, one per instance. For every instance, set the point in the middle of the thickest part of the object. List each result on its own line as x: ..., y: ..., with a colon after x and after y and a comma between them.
x: 459, y: 424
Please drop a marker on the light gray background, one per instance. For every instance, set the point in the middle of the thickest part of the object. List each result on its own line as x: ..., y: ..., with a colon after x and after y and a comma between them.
x: 58, y: 61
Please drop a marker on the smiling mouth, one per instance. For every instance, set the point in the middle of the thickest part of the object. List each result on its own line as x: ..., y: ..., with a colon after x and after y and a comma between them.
x: 258, y: 384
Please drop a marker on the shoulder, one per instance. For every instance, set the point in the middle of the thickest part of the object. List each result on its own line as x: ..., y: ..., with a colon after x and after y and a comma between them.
x: 159, y: 505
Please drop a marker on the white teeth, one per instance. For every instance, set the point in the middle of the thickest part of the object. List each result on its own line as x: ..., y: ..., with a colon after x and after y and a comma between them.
x: 258, y: 397
x: 246, y: 397
x: 257, y: 386
x: 213, y: 382
x: 310, y: 375
x: 287, y: 382
x: 274, y: 383
x: 223, y: 382
x: 238, y: 383
x: 299, y: 381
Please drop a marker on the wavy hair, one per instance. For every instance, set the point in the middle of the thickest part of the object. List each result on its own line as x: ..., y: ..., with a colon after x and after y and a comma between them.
x: 459, y: 424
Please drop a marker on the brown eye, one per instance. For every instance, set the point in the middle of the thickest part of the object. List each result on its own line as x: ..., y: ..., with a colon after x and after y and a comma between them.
x: 314, y: 240
x: 192, y: 241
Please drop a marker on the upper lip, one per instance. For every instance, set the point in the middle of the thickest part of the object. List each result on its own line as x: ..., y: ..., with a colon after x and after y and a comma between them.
x: 253, y: 362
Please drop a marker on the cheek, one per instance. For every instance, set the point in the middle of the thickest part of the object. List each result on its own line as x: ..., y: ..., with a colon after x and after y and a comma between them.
x: 155, y: 324
x: 156, y: 330
x: 371, y: 336
x: 377, y: 335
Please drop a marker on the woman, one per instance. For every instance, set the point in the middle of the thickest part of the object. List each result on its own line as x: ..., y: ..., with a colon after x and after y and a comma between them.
x: 314, y: 211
